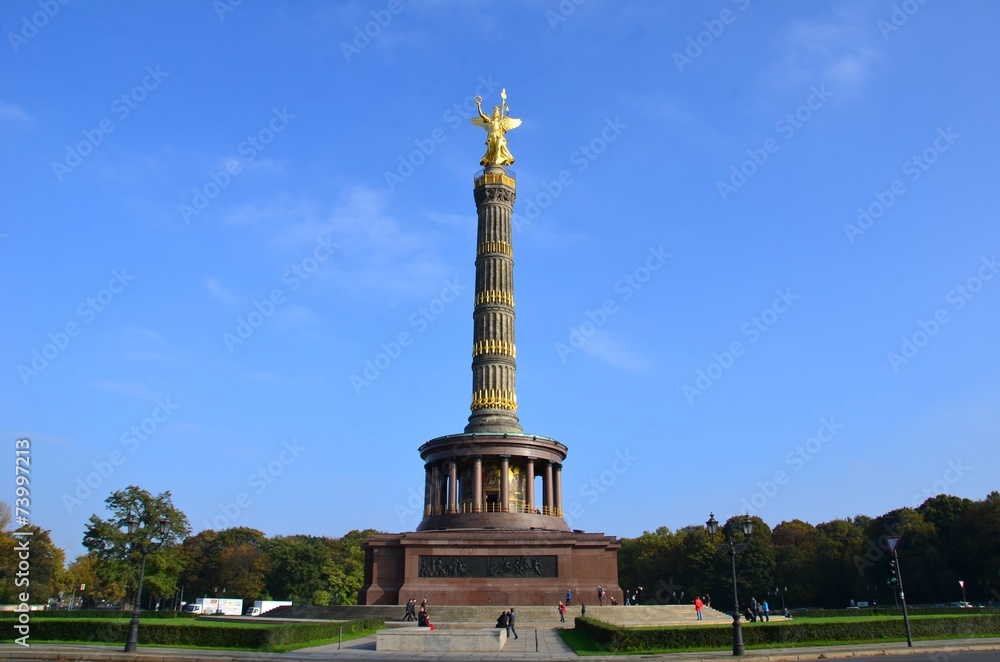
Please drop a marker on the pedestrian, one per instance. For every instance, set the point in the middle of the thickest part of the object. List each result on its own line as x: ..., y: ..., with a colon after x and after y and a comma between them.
x: 600, y: 596
x: 423, y: 618
x: 583, y: 610
x: 562, y: 612
x: 767, y: 611
x: 698, y: 604
x: 708, y: 600
x: 409, y: 616
x: 638, y: 595
x: 510, y: 623
x: 754, y: 609
x: 569, y: 597
x: 503, y: 621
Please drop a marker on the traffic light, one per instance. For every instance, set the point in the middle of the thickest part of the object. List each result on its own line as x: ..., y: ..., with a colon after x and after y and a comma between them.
x: 893, y: 572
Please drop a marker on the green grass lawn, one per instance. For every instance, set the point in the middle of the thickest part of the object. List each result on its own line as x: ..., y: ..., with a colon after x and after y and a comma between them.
x: 211, y: 623
x: 584, y: 644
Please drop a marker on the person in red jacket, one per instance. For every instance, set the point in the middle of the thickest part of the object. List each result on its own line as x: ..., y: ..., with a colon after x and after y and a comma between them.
x: 698, y: 604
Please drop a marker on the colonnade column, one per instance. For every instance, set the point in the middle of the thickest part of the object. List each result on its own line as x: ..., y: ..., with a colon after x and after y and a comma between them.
x: 477, y: 485
x: 436, y: 490
x: 557, y: 489
x: 453, y: 487
x: 529, y: 488
x: 427, y: 490
x: 549, y: 499
x: 504, y: 484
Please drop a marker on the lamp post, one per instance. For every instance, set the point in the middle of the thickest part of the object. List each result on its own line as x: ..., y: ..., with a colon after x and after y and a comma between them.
x: 144, y: 547
x: 733, y: 548
x: 782, y: 590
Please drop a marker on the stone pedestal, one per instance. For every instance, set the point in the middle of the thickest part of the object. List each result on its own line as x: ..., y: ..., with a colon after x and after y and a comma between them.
x: 504, y: 568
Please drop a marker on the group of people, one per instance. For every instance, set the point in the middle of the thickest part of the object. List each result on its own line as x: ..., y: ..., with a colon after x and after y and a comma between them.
x: 422, y: 618
x: 757, y: 611
x: 506, y: 621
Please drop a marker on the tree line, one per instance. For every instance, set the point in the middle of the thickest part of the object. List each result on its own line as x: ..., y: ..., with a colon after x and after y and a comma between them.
x: 944, y: 541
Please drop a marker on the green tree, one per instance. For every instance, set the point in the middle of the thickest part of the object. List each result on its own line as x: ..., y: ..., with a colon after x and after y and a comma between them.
x: 297, y: 563
x: 840, y: 544
x: 47, y: 577
x: 345, y: 571
x: 117, y: 553
x: 797, y: 567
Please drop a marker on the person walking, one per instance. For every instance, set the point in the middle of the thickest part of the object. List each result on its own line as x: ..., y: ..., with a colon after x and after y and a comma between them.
x: 562, y: 612
x: 754, y: 609
x: 569, y: 597
x: 510, y: 623
x: 767, y: 611
x: 698, y: 604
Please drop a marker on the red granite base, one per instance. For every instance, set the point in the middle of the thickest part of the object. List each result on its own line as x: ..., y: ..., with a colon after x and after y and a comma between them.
x: 540, y: 565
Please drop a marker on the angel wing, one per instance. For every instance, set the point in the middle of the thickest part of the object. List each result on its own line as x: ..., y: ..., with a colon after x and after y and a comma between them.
x: 510, y: 123
x: 479, y: 121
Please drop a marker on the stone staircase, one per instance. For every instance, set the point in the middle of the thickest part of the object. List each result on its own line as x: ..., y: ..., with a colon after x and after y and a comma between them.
x: 632, y: 616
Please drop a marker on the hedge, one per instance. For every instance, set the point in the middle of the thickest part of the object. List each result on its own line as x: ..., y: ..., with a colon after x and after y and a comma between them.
x: 886, y: 610
x: 616, y: 639
x: 220, y: 635
x: 104, y: 613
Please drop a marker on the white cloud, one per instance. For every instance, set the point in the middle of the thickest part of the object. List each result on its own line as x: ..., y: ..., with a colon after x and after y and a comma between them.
x: 816, y: 50
x: 11, y: 113
x: 219, y: 291
x: 603, y: 346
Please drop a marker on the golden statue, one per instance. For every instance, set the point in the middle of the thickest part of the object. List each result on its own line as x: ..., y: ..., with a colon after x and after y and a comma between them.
x: 496, y: 129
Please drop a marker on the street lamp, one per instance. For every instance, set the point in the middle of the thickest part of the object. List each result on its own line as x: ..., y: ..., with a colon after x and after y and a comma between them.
x: 782, y: 590
x: 144, y: 547
x: 733, y: 548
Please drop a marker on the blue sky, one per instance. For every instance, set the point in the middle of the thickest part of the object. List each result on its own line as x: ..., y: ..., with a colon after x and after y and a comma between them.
x: 755, y: 254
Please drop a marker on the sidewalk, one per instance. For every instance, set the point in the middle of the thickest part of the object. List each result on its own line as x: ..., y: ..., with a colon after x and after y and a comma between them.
x: 533, y: 644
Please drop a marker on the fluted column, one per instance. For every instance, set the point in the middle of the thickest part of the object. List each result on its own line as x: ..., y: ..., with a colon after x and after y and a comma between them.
x: 477, y: 485
x: 427, y: 490
x: 436, y: 490
x: 529, y: 488
x: 453, y: 487
x: 549, y: 500
x: 557, y: 489
x: 494, y: 397
x: 504, y: 484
